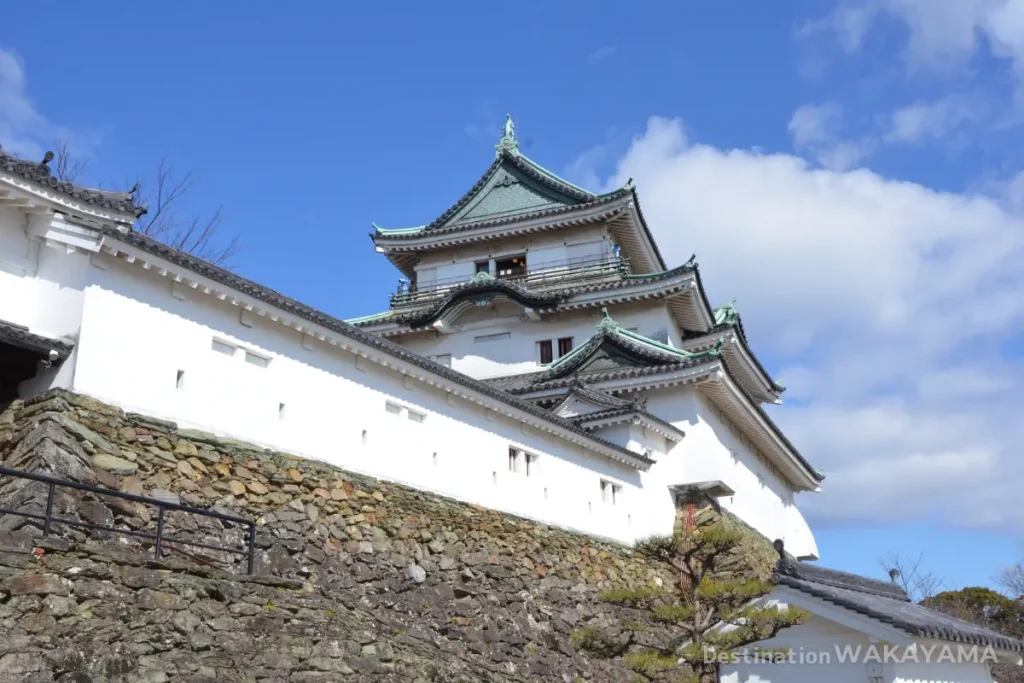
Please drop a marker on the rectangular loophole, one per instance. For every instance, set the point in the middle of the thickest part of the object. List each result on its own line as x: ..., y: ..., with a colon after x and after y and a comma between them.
x: 280, y: 411
x: 223, y: 347
x: 179, y: 382
x: 254, y: 359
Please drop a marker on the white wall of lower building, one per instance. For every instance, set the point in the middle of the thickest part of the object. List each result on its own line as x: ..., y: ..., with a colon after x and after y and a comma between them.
x: 824, y: 651
x: 319, y: 401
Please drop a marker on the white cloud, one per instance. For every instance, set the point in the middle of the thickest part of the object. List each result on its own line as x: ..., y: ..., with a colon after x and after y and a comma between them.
x: 884, y: 302
x: 814, y: 124
x: 602, y: 53
x: 23, y: 130
x: 943, y: 35
x: 923, y: 121
x: 815, y: 130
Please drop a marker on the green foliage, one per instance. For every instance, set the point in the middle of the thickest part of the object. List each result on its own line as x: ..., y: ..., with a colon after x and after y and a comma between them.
x: 657, y: 547
x: 588, y: 638
x: 650, y: 663
x: 982, y: 606
x: 721, y: 572
x: 632, y: 597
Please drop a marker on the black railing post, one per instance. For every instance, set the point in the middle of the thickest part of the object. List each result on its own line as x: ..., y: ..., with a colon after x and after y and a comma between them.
x: 252, y: 546
x: 159, y: 530
x: 49, y: 510
x: 48, y: 519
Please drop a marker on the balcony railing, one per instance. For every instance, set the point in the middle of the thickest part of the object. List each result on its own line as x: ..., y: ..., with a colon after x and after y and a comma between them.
x: 541, y: 276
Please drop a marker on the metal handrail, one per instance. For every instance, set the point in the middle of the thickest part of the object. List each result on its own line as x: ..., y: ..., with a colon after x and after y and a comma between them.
x: 162, y: 506
x: 544, y: 273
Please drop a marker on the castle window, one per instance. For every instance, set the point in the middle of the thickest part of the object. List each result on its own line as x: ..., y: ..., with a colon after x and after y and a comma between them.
x: 513, y: 266
x: 223, y: 347
x: 416, y: 417
x: 444, y: 359
x: 521, y: 462
x: 544, y: 351
x: 393, y: 408
x: 483, y: 266
x: 179, y: 383
x: 564, y: 346
x: 609, y: 492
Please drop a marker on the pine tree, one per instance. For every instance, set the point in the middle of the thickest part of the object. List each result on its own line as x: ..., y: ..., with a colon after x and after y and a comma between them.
x: 683, y: 633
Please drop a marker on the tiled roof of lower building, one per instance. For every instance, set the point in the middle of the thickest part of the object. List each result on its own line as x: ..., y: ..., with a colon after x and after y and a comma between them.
x: 40, y: 172
x: 17, y: 335
x: 885, y: 602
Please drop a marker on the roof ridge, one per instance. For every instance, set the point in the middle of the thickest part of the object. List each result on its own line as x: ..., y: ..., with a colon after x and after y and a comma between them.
x: 42, y: 174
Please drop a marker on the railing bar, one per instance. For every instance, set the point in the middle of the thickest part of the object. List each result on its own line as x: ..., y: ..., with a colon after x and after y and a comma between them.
x: 252, y: 546
x: 159, y: 530
x: 28, y: 515
x: 49, y: 509
x: 145, y: 534
x: 117, y: 494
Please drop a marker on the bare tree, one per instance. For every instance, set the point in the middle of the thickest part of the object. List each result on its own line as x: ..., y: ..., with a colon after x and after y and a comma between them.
x: 1012, y: 580
x: 918, y: 582
x: 195, y: 233
x: 68, y: 167
x: 167, y: 219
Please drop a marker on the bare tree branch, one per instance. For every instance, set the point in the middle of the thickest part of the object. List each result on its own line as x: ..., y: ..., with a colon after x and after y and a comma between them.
x: 913, y: 577
x: 68, y: 167
x: 1012, y: 580
x: 198, y: 234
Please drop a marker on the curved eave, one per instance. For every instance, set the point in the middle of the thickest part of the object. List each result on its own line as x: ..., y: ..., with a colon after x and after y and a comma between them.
x: 750, y: 373
x: 534, y: 221
x: 679, y: 285
x: 762, y: 430
x: 714, y: 379
x: 22, y: 338
x: 649, y: 246
x: 459, y: 295
x: 38, y: 180
x: 609, y: 418
x: 524, y: 165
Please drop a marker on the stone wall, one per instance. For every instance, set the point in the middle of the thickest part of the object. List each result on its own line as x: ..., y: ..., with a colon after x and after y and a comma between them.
x: 356, y: 579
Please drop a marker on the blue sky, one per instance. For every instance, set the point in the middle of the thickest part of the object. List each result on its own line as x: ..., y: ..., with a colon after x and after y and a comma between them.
x: 847, y: 171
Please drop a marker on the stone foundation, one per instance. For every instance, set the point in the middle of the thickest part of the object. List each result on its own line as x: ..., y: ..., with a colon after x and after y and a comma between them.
x: 356, y: 579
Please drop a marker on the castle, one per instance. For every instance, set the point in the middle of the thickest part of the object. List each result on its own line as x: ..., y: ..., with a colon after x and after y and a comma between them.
x: 539, y: 356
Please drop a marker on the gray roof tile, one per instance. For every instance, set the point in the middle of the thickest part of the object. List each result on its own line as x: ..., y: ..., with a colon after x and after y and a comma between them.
x: 884, y: 602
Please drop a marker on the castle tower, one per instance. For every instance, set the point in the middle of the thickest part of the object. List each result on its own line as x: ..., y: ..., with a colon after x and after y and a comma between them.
x: 560, y: 296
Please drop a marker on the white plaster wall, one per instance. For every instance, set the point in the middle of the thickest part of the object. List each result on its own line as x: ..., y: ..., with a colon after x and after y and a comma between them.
x: 823, y: 650
x: 942, y: 672
x: 136, y: 336
x: 518, y: 352
x: 712, y: 451
x: 634, y: 437
x: 17, y: 269
x: 42, y: 286
x: 539, y: 248
x: 813, y: 645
